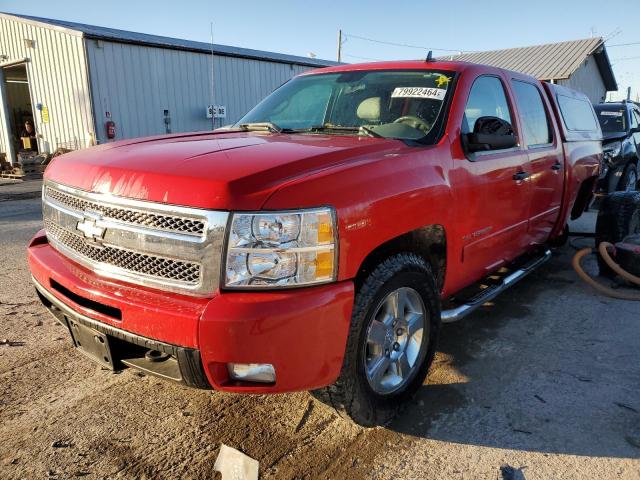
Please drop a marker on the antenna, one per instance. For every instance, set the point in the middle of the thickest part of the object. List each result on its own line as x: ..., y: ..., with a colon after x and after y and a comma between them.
x: 429, y: 56
x: 213, y: 91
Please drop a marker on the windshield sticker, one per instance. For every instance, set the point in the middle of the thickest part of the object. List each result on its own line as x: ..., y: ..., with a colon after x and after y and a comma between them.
x: 609, y: 113
x: 442, y: 80
x: 419, y: 92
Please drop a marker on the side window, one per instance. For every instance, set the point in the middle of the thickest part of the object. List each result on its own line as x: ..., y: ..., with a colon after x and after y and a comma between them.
x: 577, y: 114
x: 535, y: 121
x: 486, y: 99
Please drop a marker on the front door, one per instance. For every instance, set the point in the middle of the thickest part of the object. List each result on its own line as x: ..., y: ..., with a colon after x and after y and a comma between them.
x: 546, y: 160
x: 496, y: 190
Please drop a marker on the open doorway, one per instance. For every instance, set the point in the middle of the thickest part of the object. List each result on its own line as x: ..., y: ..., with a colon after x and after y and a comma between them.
x: 18, y: 97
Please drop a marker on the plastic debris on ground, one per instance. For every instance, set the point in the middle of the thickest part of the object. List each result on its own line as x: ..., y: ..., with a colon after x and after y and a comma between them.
x: 235, y: 465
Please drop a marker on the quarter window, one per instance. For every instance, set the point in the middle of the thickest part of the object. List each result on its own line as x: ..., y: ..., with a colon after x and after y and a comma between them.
x: 535, y: 122
x: 577, y: 114
x: 487, y: 99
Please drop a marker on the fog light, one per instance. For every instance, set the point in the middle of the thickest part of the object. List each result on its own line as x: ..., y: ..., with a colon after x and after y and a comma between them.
x: 252, y: 372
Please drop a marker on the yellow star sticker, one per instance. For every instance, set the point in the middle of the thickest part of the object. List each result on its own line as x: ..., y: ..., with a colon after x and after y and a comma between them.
x: 442, y: 80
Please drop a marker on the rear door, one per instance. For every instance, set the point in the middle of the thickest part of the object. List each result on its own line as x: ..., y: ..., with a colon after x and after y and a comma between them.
x: 496, y: 194
x: 546, y: 159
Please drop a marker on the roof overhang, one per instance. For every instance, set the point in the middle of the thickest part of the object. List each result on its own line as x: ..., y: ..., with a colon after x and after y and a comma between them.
x: 604, y: 65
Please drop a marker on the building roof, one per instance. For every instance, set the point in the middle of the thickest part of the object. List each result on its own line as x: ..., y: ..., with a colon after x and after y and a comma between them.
x: 551, y: 61
x: 124, y: 36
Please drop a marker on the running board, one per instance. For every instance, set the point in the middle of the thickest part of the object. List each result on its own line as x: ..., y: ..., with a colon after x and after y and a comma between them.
x: 458, y: 313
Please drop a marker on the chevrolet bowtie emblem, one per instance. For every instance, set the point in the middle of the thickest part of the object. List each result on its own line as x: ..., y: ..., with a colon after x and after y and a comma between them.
x: 90, y: 228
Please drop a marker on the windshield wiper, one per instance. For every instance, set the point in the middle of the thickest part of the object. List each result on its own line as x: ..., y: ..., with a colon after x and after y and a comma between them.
x: 273, y: 128
x: 341, y: 128
x: 260, y: 126
x: 369, y: 131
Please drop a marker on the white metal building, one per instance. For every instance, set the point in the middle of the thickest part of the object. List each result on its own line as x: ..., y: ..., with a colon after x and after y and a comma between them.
x: 70, y: 79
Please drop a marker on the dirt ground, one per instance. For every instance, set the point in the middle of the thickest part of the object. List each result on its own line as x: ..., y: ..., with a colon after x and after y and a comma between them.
x: 543, y: 383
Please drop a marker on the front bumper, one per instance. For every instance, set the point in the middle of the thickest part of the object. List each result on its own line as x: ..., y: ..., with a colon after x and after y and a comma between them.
x: 179, y: 364
x: 301, y: 332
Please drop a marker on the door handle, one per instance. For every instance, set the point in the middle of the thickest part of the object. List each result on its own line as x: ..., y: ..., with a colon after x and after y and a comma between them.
x: 556, y: 166
x: 521, y: 176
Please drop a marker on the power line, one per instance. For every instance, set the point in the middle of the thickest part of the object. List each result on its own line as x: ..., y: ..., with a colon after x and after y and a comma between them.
x: 615, y: 60
x: 615, y: 33
x: 362, y: 58
x: 624, y: 44
x: 404, y: 45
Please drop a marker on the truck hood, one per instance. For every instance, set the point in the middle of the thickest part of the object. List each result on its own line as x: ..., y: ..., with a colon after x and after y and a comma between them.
x: 610, y: 137
x: 226, y: 171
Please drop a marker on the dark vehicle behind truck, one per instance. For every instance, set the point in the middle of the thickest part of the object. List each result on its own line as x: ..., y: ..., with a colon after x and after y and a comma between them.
x: 620, y: 123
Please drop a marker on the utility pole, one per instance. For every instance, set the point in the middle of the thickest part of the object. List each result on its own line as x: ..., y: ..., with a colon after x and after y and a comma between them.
x: 339, y: 45
x: 628, y: 94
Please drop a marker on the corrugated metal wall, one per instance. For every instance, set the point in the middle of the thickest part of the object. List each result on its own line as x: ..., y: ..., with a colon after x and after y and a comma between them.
x: 57, y: 77
x: 587, y: 79
x: 136, y: 84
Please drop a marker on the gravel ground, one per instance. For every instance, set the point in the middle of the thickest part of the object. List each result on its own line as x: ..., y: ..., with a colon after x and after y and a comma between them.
x: 543, y: 383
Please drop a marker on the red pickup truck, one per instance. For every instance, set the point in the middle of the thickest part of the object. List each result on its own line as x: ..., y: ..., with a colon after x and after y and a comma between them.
x: 320, y: 242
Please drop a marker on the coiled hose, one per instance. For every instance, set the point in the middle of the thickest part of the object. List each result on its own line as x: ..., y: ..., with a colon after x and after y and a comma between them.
x: 602, y: 249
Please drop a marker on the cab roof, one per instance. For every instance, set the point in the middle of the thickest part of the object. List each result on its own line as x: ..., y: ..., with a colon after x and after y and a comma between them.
x: 444, y: 65
x: 393, y: 65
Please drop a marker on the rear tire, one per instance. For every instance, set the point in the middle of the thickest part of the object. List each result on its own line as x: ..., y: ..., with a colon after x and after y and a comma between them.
x: 619, y: 216
x: 389, y: 349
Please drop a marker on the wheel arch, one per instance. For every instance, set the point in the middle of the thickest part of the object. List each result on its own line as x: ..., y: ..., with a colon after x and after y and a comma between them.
x: 633, y: 161
x: 429, y: 242
x: 585, y: 194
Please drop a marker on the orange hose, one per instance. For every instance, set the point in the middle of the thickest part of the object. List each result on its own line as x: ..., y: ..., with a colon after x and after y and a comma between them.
x: 614, y: 266
x: 577, y: 266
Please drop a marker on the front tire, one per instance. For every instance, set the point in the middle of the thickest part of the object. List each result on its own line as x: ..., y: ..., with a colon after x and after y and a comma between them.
x: 629, y: 179
x: 392, y: 341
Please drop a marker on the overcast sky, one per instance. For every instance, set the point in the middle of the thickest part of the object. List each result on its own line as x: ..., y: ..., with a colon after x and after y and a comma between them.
x: 304, y: 27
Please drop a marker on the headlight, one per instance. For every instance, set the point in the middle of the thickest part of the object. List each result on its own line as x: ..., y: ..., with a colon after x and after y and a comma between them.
x: 612, y: 150
x: 281, y: 249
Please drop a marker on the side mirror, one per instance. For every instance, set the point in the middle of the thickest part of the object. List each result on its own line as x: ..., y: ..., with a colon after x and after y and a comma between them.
x: 635, y: 130
x: 490, y: 133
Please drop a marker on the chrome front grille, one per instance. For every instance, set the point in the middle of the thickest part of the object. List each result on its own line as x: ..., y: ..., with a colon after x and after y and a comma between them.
x: 164, y: 246
x: 154, y: 266
x: 127, y: 215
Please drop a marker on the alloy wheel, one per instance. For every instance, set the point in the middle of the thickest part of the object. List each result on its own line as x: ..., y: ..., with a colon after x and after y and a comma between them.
x: 395, y: 340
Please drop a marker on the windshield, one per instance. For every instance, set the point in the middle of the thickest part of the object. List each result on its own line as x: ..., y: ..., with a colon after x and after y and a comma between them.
x: 393, y: 104
x: 612, y: 119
